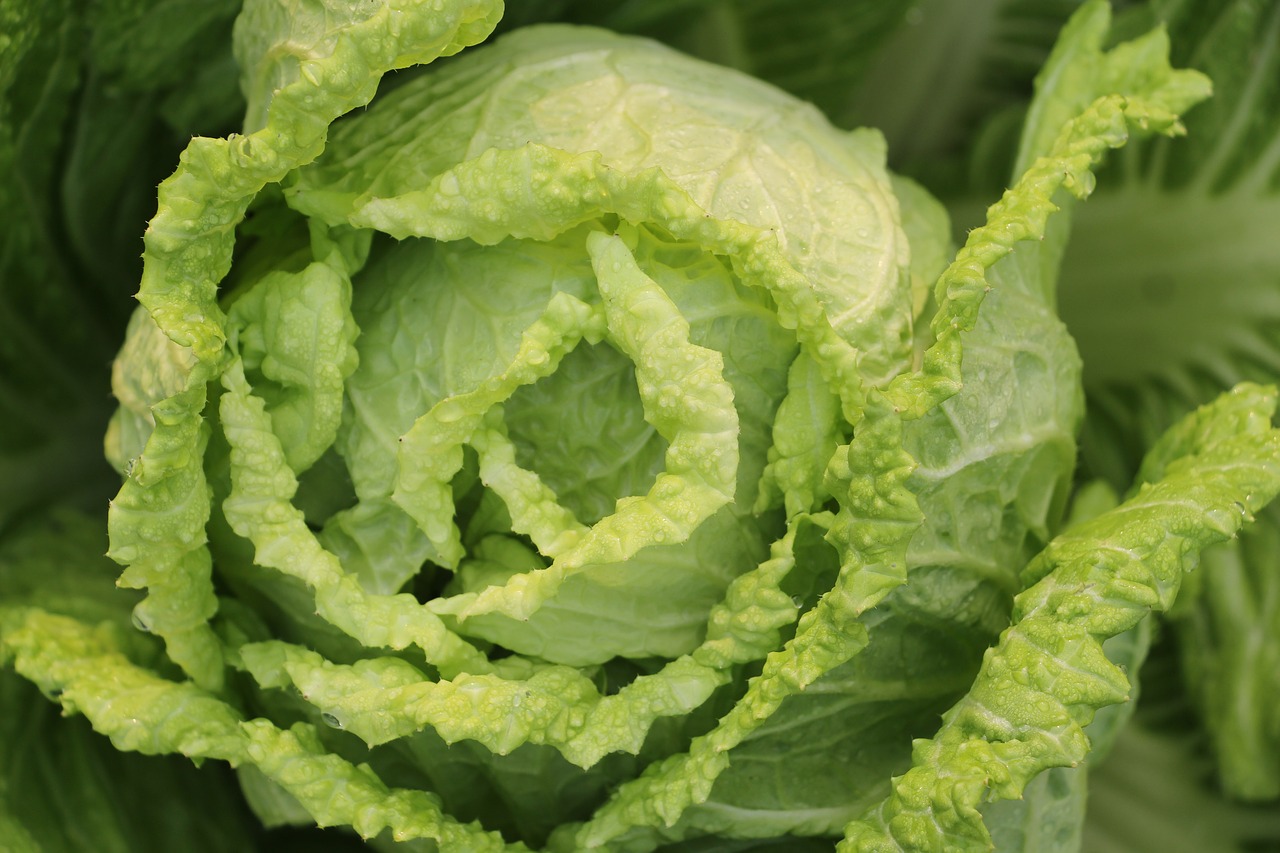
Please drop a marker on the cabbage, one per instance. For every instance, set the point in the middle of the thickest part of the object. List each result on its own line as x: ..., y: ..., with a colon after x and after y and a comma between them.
x: 586, y: 445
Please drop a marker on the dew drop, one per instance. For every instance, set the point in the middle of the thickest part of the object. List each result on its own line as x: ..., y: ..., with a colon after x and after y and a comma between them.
x: 331, y: 720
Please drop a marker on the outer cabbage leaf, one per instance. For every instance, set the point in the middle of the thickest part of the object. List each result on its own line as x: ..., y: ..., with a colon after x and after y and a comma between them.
x: 1191, y: 309
x: 994, y: 462
x: 68, y: 789
x: 1048, y: 674
x: 1216, y: 196
x: 145, y: 713
x: 189, y: 247
x: 64, y: 787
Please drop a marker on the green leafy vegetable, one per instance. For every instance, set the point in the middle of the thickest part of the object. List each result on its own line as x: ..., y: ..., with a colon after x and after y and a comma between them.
x: 1215, y: 197
x: 536, y: 436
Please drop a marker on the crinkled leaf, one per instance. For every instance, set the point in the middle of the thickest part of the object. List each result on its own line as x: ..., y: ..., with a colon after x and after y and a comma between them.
x: 1048, y: 675
x: 142, y: 712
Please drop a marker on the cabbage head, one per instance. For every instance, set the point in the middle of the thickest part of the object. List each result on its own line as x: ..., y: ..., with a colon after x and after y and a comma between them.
x: 582, y: 445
